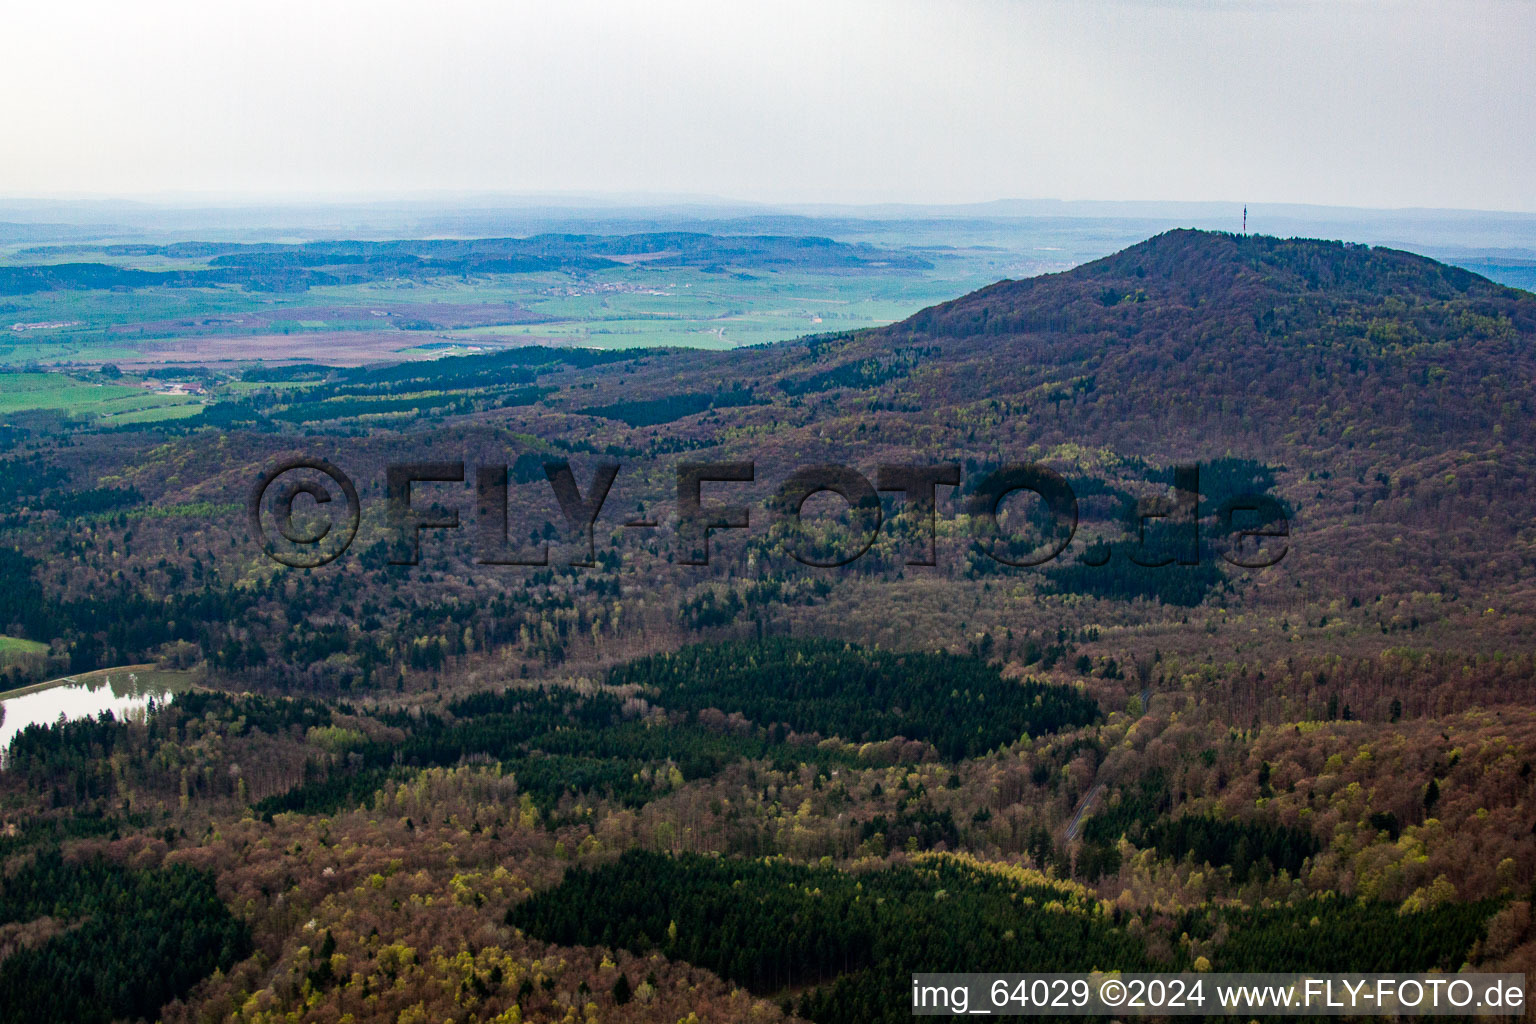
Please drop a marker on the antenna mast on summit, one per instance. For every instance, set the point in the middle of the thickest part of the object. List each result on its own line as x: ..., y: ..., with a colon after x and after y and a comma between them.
x: 1245, y: 218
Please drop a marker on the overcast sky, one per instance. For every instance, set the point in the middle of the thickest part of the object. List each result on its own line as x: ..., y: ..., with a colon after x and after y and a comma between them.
x: 1382, y: 103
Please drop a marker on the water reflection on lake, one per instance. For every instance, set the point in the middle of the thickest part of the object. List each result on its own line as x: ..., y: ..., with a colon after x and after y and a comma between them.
x: 123, y: 692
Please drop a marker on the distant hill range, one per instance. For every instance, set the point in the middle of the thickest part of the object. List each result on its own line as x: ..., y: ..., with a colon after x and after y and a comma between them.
x: 298, y: 267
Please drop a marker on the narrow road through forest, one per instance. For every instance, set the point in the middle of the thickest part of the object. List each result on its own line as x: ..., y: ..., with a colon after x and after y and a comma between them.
x: 1099, y: 785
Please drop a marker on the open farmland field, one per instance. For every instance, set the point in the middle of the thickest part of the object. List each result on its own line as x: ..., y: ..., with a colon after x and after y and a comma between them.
x: 141, y: 306
x: 626, y: 307
x: 116, y: 403
x: 336, y: 348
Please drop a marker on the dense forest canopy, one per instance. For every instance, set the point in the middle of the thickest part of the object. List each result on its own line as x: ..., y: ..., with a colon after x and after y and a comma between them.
x: 616, y: 786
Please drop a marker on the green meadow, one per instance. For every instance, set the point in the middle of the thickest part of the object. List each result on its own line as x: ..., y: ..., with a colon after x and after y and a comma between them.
x: 27, y: 654
x: 119, y: 403
x: 10, y: 645
x: 623, y: 307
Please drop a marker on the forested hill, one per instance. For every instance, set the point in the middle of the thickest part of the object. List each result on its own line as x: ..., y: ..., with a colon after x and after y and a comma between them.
x: 1201, y: 335
x: 1185, y: 271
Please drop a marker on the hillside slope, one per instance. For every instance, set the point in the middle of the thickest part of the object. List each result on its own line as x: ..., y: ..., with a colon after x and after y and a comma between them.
x: 1218, y: 337
x: 477, y: 787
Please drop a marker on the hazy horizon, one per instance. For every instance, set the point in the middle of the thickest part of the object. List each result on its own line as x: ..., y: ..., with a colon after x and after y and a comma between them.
x: 1376, y: 104
x: 193, y: 199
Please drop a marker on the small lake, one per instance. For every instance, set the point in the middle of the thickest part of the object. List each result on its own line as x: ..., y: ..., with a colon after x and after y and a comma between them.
x: 124, y: 692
